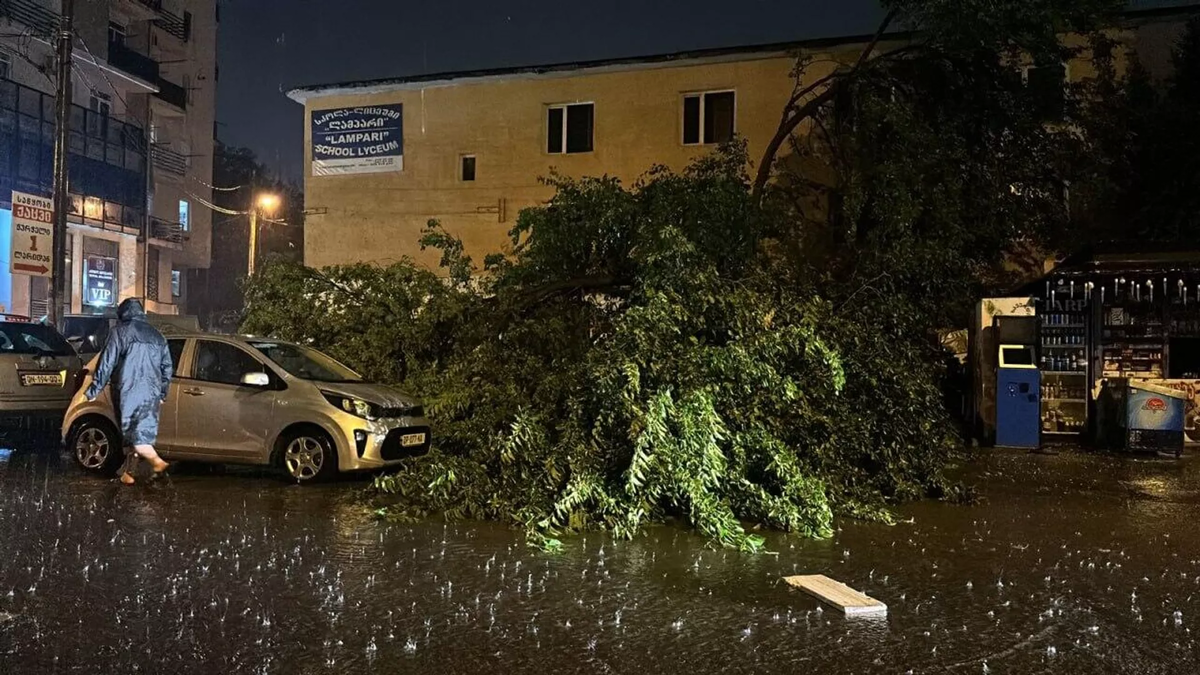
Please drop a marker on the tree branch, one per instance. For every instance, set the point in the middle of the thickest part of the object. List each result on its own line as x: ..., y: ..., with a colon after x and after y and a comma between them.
x: 793, y: 116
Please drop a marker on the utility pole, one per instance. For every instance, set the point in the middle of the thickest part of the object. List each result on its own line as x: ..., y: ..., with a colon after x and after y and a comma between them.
x: 253, y: 240
x: 62, y: 117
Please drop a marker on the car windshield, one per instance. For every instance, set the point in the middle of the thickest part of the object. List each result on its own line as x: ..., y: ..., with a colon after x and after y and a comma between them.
x: 32, y: 339
x: 305, y: 363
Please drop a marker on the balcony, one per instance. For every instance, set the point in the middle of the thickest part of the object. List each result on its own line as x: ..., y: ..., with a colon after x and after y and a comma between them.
x: 173, y: 94
x: 168, y: 160
x: 177, y: 26
x: 139, y: 65
x: 40, y: 20
x: 166, y: 231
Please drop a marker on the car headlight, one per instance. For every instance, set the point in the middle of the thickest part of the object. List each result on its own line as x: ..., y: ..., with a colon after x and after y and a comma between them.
x: 354, y: 406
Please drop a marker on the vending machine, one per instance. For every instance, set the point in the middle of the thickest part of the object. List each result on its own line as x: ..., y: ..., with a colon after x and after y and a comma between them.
x: 1018, y: 384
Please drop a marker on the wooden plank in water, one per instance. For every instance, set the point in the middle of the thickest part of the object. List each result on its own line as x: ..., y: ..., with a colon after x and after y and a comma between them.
x: 837, y: 594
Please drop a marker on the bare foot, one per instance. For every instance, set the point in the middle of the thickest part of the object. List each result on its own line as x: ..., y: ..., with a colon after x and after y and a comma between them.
x: 160, y: 466
x: 127, y: 479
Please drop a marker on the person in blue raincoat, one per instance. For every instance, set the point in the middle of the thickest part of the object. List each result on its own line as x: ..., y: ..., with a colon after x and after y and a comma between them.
x: 137, y: 362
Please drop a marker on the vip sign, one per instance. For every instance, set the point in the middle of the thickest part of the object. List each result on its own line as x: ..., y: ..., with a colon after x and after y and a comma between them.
x: 32, y: 235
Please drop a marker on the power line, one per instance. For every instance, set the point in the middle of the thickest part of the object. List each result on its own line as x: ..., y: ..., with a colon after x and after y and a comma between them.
x: 219, y: 189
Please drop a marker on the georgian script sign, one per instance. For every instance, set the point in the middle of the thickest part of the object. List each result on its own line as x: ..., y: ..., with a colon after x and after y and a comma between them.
x: 32, y: 235
x: 369, y: 139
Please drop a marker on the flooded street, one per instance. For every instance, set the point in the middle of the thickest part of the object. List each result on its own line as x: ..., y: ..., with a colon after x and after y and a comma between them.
x: 1071, y: 564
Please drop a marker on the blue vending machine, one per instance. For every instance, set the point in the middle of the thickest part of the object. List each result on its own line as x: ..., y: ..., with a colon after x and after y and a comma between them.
x: 1018, y: 397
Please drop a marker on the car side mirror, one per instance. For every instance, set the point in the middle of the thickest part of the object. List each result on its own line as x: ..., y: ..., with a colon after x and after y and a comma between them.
x: 256, y: 380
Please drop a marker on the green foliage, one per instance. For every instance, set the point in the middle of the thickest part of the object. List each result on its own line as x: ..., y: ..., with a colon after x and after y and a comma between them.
x: 643, y: 355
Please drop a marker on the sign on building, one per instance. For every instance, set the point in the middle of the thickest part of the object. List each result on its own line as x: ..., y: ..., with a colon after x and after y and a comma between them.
x: 32, y: 235
x: 358, y: 140
x: 99, y: 281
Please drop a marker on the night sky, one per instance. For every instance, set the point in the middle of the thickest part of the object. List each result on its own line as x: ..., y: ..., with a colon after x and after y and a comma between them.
x: 269, y: 46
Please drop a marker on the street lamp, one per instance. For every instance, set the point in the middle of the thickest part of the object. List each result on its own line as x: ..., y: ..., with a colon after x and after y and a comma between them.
x: 267, y: 203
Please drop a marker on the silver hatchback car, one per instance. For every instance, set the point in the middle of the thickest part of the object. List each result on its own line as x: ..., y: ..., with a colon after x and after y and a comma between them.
x: 39, y: 373
x: 247, y: 400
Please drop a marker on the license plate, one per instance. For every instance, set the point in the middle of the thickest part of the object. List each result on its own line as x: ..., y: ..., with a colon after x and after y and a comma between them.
x: 41, y: 379
x: 409, y: 440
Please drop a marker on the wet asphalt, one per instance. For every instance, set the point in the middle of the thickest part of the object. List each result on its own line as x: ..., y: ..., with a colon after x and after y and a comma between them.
x: 1075, y: 563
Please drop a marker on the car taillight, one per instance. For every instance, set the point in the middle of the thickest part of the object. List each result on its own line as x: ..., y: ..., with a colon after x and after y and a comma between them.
x: 80, y: 376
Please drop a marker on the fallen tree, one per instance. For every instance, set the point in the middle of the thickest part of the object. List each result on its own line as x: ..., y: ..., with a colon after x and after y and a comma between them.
x: 643, y: 355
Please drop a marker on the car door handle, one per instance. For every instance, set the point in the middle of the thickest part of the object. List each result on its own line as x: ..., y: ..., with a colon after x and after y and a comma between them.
x: 194, y: 392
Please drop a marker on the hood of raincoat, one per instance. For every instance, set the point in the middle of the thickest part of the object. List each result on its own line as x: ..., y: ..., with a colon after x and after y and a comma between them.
x: 130, y: 309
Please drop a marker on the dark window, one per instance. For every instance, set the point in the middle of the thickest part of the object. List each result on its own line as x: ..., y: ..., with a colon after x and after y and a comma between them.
x: 223, y: 363
x: 554, y: 130
x: 101, y: 103
x: 116, y: 34
x: 1047, y: 84
x: 187, y: 23
x: 708, y: 118
x: 5, y: 66
x: 691, y: 120
x: 176, y: 346
x: 468, y: 167
x: 570, y: 128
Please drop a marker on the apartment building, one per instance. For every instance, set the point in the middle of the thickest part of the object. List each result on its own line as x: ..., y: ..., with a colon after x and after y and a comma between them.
x: 141, y: 147
x: 384, y: 157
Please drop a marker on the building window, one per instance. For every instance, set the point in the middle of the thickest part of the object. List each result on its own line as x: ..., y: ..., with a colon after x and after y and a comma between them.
x: 467, y: 174
x: 116, y: 34
x: 5, y: 65
x: 100, y: 103
x: 185, y: 215
x: 569, y: 128
x: 176, y: 284
x: 1048, y: 85
x: 708, y: 117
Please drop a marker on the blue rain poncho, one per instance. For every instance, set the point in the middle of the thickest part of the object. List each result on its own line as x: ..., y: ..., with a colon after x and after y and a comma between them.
x: 138, y: 363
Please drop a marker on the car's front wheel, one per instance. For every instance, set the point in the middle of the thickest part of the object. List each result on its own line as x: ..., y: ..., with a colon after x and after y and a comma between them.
x: 308, y: 456
x: 96, y: 445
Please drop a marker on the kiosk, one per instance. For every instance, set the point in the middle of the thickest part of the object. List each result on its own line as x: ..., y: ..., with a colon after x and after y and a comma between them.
x: 1018, y: 397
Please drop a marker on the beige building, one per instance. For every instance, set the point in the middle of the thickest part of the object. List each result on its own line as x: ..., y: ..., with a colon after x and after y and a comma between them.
x: 468, y: 149
x: 144, y: 95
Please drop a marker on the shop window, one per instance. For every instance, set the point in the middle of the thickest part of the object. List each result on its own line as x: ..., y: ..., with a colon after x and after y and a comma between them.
x: 570, y: 128
x: 468, y: 168
x: 185, y: 215
x: 708, y: 117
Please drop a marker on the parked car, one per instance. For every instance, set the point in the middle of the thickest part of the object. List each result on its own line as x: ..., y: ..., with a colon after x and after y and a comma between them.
x: 88, y: 332
x: 39, y: 373
x: 247, y: 400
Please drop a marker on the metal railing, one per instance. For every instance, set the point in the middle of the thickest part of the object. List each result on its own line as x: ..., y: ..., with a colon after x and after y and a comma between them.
x: 138, y: 65
x: 169, y: 160
x: 40, y: 20
x: 172, y: 93
x: 174, y: 25
x: 164, y: 230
